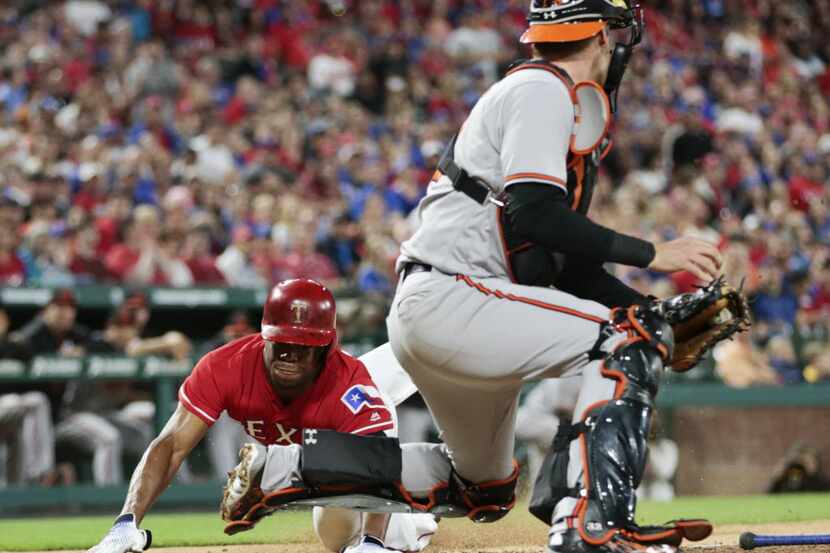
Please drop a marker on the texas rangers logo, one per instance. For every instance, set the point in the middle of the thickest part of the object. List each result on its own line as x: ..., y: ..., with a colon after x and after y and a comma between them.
x: 359, y: 396
x: 300, y: 310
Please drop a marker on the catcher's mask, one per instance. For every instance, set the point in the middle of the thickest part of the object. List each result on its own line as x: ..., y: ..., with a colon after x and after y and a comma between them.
x: 573, y: 20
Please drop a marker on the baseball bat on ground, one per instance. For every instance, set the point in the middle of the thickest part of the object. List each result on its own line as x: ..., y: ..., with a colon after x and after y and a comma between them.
x: 749, y: 540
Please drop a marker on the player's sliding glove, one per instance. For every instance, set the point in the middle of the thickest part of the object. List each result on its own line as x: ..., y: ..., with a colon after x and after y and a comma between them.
x: 703, y: 318
x: 124, y: 537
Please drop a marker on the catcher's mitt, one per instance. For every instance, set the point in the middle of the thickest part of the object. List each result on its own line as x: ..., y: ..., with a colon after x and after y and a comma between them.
x: 703, y: 318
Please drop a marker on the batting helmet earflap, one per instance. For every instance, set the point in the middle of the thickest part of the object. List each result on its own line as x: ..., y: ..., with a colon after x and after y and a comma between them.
x: 300, y: 311
x: 573, y: 20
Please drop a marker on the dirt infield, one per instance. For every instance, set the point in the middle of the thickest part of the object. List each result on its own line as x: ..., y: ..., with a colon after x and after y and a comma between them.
x: 460, y: 536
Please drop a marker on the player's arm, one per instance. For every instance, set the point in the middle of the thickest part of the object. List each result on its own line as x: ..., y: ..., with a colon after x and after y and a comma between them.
x: 151, y: 477
x: 589, y: 280
x: 537, y: 124
x: 539, y: 213
x: 162, y: 460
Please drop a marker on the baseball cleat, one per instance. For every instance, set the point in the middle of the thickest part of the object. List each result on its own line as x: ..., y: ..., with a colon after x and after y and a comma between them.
x: 569, y: 541
x: 242, y: 490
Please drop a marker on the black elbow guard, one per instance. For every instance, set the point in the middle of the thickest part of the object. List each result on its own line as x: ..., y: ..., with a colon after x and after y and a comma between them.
x: 528, y: 262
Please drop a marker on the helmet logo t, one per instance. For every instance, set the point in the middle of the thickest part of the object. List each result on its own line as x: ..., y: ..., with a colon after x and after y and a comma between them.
x: 300, y: 310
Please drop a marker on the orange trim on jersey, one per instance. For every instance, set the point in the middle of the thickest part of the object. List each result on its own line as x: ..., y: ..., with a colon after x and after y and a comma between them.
x: 553, y: 70
x: 579, y: 171
x: 537, y: 177
x: 530, y: 301
x: 607, y: 149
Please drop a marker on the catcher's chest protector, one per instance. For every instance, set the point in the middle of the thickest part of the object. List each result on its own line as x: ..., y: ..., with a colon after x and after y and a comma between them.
x: 524, y: 258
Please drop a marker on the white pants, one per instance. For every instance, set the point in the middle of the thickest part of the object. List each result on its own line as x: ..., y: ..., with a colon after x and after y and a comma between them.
x: 470, y: 344
x: 338, y: 528
x: 107, y: 437
x: 27, y: 435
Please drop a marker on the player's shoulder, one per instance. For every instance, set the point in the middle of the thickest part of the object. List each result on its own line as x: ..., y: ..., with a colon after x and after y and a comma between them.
x: 235, y: 351
x: 535, y: 80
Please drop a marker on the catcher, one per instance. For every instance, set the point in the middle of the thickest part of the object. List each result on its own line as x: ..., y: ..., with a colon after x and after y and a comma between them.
x: 285, y: 382
x: 504, y: 282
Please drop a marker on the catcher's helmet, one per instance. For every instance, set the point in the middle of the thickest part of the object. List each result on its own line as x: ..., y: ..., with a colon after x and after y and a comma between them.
x: 572, y: 20
x: 299, y: 311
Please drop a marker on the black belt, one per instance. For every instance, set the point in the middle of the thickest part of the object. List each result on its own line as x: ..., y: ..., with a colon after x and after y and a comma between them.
x: 412, y: 268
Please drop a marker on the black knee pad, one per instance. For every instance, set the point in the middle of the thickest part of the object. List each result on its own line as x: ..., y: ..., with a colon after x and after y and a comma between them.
x: 486, y: 501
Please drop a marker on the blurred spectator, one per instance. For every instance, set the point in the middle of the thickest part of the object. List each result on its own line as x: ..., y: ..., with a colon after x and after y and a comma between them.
x: 342, y: 243
x: 740, y: 364
x: 304, y: 261
x: 26, y: 434
x: 12, y: 270
x: 799, y: 471
x: 104, y: 419
x: 782, y: 358
x: 28, y: 440
x: 236, y: 263
x: 144, y: 258
x: 196, y: 253
x: 54, y: 331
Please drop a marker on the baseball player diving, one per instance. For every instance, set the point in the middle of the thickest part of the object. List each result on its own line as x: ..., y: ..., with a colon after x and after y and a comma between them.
x: 503, y: 282
x: 288, y: 382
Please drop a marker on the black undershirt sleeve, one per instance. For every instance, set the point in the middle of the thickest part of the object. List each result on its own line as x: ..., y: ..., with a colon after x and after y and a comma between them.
x: 540, y: 214
x: 590, y: 281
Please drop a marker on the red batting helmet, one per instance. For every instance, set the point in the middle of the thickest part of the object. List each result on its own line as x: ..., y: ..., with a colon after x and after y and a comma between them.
x: 299, y: 311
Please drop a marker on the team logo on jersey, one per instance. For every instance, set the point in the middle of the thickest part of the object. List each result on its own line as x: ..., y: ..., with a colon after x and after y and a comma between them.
x: 359, y: 395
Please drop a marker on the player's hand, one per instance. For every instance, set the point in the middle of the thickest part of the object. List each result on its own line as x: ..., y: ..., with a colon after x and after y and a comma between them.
x: 124, y: 537
x: 697, y: 256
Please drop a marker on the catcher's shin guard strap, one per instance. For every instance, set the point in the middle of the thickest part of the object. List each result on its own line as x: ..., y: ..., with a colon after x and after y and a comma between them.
x: 486, y: 501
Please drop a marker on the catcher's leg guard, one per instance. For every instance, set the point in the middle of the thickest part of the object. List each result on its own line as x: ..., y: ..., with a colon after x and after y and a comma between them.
x: 612, y: 433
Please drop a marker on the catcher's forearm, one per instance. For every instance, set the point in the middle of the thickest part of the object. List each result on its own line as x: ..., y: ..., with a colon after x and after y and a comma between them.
x: 153, y: 474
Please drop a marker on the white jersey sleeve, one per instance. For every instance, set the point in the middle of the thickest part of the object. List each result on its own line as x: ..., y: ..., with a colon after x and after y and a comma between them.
x: 537, y: 122
x: 388, y: 375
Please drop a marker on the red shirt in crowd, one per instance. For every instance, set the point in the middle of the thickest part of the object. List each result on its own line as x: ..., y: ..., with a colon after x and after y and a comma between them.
x: 12, y: 271
x: 233, y: 379
x: 121, y: 259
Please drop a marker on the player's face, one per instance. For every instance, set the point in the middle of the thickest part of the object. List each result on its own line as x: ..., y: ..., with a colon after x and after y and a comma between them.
x: 290, y: 366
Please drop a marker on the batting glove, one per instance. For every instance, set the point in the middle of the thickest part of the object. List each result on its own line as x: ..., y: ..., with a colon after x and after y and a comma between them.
x: 124, y: 537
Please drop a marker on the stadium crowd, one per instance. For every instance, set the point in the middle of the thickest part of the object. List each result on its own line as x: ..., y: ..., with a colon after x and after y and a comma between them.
x: 185, y: 143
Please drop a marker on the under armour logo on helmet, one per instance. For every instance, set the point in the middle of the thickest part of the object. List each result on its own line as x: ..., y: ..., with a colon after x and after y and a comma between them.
x: 310, y: 436
x: 300, y: 310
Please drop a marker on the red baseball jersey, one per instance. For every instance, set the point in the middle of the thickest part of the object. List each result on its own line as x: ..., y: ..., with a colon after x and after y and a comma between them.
x: 233, y: 379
